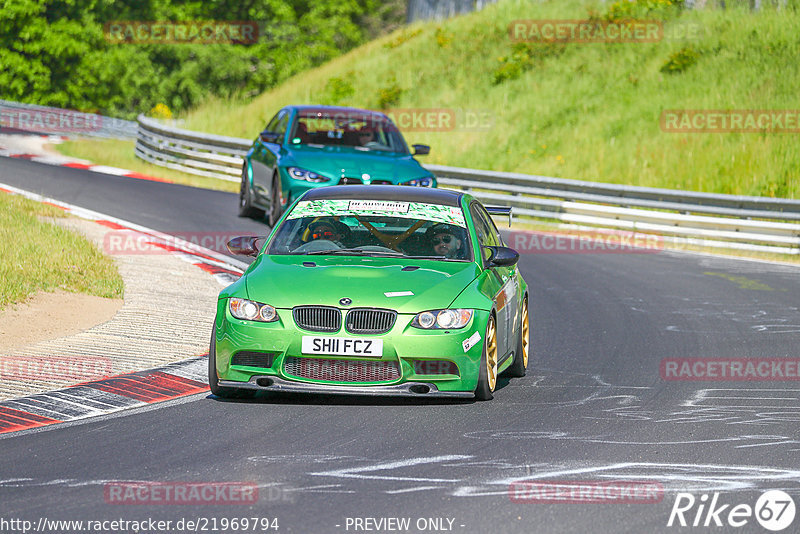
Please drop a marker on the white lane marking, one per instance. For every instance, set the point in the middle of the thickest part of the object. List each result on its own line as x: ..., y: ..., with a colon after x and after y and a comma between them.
x: 355, y: 472
x: 109, y: 170
x: 409, y: 490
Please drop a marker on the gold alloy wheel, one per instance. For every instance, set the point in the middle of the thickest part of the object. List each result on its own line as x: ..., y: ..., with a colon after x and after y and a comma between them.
x: 525, y: 335
x: 491, y: 354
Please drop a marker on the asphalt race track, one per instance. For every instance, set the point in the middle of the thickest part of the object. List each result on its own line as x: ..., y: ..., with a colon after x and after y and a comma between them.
x: 593, y: 407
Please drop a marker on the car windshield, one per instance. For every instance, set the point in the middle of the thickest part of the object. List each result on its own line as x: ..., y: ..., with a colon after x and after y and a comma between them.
x: 360, y: 131
x: 374, y: 228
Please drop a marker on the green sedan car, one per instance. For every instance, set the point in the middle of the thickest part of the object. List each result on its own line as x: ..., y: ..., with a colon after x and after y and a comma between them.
x: 304, y: 147
x: 374, y: 290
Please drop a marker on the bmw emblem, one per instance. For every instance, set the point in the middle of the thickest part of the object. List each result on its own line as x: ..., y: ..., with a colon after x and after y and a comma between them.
x: 345, y: 301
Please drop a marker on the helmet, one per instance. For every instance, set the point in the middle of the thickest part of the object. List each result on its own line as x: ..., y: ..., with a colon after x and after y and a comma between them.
x: 324, y: 222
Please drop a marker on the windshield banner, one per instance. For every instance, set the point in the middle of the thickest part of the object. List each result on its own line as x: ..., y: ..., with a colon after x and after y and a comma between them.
x: 377, y: 208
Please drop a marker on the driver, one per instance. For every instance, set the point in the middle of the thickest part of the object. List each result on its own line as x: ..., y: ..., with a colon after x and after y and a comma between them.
x: 365, y: 136
x: 446, y: 240
x: 326, y: 229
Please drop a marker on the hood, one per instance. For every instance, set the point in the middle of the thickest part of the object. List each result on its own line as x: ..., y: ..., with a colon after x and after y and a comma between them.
x: 283, y: 282
x: 330, y: 161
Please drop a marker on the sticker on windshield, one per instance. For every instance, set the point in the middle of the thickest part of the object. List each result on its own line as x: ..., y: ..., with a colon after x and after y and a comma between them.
x: 378, y: 205
x: 376, y: 208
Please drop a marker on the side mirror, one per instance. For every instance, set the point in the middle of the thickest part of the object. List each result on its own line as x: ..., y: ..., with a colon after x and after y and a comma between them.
x: 503, y: 257
x: 245, y: 245
x: 421, y: 150
x: 269, y: 137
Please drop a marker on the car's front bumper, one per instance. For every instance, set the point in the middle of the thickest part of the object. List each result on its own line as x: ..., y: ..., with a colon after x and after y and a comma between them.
x: 403, y: 346
x: 293, y: 188
x: 406, y: 389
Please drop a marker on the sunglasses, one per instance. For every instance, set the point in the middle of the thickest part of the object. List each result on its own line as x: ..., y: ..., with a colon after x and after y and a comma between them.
x: 442, y: 239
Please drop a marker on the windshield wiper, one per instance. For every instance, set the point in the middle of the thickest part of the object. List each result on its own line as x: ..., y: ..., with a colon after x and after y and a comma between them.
x: 356, y: 252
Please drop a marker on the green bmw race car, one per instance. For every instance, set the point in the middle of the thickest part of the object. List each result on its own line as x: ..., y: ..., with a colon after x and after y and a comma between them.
x: 385, y: 290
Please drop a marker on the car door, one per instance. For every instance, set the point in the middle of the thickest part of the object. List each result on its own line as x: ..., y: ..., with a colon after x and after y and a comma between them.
x: 503, y: 282
x: 265, y: 157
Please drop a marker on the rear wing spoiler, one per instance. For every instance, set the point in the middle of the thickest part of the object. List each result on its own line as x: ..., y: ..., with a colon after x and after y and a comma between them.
x: 500, y: 210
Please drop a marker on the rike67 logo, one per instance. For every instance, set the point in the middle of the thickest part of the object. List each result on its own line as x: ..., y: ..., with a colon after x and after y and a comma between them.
x: 774, y: 510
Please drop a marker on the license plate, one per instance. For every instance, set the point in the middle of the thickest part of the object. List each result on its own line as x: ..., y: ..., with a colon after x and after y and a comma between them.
x: 343, y: 346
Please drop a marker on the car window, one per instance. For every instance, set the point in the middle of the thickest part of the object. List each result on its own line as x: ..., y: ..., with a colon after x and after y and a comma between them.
x: 485, y: 230
x: 281, y: 126
x: 374, y: 228
x: 498, y: 237
x: 358, y: 130
x: 273, y: 123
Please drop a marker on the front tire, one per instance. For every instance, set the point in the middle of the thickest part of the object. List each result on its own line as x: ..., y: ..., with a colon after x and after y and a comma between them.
x: 520, y: 364
x: 222, y: 392
x: 275, y: 206
x: 246, y: 208
x: 487, y: 375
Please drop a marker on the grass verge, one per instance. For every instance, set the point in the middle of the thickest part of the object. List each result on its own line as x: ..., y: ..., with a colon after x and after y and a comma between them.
x: 40, y: 256
x: 119, y: 153
x: 587, y: 111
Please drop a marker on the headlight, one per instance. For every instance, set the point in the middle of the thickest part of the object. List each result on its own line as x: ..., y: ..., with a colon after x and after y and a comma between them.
x: 426, y: 181
x: 442, y: 319
x: 252, y: 311
x: 301, y: 174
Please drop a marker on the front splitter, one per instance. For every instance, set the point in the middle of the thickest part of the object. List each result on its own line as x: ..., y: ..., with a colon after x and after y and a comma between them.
x: 406, y: 389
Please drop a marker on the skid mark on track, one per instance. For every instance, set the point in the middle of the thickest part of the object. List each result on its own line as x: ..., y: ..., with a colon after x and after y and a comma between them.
x: 740, y: 441
x: 473, y: 476
x: 674, y: 477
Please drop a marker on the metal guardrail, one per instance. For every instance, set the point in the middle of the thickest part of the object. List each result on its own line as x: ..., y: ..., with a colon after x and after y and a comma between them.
x: 721, y: 221
x: 215, y: 156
